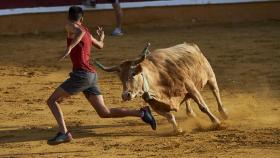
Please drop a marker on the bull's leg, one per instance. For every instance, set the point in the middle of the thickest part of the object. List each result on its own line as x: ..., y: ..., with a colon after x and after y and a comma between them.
x: 187, y: 101
x: 201, y: 103
x: 189, y: 110
x: 171, y: 119
x: 215, y: 89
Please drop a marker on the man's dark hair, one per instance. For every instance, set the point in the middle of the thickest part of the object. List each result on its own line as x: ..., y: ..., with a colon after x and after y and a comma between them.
x: 75, y: 13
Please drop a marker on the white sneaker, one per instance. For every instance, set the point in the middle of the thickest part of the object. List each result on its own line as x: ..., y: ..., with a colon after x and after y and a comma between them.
x: 117, y: 32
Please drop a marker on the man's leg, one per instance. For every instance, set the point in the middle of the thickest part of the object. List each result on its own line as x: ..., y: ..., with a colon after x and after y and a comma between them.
x: 52, y: 102
x: 105, y: 112
x: 119, y: 14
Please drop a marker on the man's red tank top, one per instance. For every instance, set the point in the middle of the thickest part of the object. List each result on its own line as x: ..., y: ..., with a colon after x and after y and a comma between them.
x: 80, y: 54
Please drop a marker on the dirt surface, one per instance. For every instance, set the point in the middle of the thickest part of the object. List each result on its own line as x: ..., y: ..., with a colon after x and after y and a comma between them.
x: 245, y: 58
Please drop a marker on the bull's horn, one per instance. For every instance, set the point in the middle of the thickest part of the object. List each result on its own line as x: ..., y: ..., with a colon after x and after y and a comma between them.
x: 146, y: 49
x: 107, y: 69
x: 144, y: 54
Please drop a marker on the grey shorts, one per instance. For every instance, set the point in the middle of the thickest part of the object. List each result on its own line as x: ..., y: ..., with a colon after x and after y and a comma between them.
x: 81, y: 81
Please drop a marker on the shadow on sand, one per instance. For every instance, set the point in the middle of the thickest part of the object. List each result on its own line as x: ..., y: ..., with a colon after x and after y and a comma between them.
x: 16, y: 135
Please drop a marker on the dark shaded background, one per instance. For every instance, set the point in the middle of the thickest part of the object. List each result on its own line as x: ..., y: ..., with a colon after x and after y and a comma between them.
x: 9, y: 4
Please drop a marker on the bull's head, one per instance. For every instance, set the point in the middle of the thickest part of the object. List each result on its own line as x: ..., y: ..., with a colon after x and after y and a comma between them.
x: 130, y: 75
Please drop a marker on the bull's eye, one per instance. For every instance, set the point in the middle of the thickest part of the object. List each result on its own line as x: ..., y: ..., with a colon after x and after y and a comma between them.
x: 133, y: 74
x: 132, y: 77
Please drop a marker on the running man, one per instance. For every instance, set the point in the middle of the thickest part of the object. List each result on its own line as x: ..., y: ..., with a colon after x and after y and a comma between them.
x: 83, y: 78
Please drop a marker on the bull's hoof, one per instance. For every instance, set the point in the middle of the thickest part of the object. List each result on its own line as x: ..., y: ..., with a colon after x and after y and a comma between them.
x: 216, y: 122
x: 220, y: 126
x: 191, y: 114
x: 224, y: 113
x: 178, y: 131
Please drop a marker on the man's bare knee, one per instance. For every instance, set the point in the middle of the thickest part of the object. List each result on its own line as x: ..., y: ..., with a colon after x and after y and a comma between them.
x: 49, y: 101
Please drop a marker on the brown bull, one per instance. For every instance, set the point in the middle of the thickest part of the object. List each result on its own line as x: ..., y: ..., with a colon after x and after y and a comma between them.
x: 168, y: 77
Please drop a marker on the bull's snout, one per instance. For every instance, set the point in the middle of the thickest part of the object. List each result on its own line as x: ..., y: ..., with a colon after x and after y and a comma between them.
x: 127, y: 96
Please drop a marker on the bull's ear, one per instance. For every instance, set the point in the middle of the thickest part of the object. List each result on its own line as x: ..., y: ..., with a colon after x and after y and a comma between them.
x: 138, y: 69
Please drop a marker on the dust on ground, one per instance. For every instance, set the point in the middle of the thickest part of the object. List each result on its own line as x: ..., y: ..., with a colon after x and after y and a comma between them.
x: 245, y: 58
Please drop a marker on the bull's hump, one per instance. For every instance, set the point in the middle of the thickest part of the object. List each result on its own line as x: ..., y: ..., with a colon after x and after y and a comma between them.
x: 185, y: 48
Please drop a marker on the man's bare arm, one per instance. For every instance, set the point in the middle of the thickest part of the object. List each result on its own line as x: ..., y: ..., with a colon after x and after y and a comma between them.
x: 78, y: 35
x: 99, y: 43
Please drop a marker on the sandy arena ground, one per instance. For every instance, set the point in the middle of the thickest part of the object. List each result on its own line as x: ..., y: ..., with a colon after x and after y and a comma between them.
x: 245, y: 58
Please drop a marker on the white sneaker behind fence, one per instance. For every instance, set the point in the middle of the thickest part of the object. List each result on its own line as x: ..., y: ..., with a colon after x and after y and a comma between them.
x: 117, y: 32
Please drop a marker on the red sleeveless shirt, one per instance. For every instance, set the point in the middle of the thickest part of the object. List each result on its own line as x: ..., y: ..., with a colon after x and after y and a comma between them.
x: 80, y: 54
